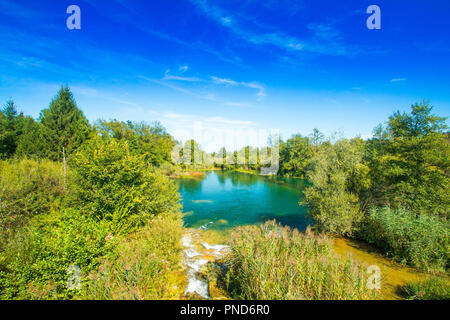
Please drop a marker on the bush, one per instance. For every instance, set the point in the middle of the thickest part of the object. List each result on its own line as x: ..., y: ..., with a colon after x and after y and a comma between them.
x: 109, y: 183
x: 27, y: 188
x: 276, y: 263
x: 35, y: 262
x: 145, y: 266
x: 433, y: 288
x: 422, y: 241
x: 335, y: 173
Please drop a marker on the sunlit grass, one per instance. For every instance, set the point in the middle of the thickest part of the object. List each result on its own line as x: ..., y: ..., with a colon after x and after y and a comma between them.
x: 272, y: 262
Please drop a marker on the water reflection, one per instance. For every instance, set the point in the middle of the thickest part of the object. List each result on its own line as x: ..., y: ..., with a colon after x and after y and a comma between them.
x: 241, y: 199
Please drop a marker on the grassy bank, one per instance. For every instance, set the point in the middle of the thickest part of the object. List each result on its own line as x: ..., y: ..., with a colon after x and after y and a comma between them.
x: 145, y: 265
x: 433, y: 288
x: 420, y: 241
x: 275, y: 262
x: 108, y: 229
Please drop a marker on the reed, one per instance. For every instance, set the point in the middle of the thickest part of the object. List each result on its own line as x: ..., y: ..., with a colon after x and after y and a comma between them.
x: 271, y: 262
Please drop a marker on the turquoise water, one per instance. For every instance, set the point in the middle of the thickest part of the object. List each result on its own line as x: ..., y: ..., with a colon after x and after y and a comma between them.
x: 226, y: 199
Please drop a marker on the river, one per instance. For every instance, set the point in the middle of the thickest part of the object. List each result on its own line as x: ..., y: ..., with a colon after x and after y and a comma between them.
x: 218, y: 201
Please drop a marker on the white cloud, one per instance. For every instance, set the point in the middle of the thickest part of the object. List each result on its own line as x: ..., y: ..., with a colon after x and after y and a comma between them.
x: 168, y: 76
x: 398, y: 79
x: 254, y: 85
x: 325, y: 38
x: 213, y: 132
x: 236, y: 104
x: 183, y: 69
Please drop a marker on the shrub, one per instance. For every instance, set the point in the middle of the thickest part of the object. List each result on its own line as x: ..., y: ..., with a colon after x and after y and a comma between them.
x: 433, y: 288
x: 335, y: 173
x: 27, y: 188
x: 34, y: 264
x: 147, y: 265
x: 276, y: 263
x: 422, y: 241
x: 109, y: 183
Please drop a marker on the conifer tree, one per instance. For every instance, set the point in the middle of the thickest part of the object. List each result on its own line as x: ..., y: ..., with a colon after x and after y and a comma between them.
x: 10, y: 129
x: 64, y: 126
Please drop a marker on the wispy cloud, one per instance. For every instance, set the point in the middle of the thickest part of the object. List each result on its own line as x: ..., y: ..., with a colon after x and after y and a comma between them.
x: 168, y: 84
x: 134, y: 18
x: 213, y: 131
x: 325, y: 38
x: 236, y: 104
x: 169, y: 79
x: 20, y: 12
x: 254, y: 85
x: 168, y: 76
x: 398, y: 80
x: 210, y: 120
x: 183, y: 69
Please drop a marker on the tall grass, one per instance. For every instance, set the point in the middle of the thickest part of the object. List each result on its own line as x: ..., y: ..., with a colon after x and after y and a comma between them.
x: 27, y: 188
x: 42, y: 234
x: 421, y: 241
x: 434, y: 288
x: 272, y: 262
x: 146, y: 265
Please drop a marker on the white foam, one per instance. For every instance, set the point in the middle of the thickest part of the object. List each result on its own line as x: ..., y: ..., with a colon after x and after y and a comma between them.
x: 191, y: 253
x: 197, y: 264
x: 197, y: 285
x: 186, y: 241
x: 217, y: 247
x: 205, y: 226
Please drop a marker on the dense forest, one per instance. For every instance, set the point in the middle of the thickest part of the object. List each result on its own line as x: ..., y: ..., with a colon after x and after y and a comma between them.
x: 92, y: 202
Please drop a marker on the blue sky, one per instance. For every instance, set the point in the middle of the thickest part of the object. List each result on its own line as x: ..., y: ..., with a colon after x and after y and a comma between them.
x: 212, y: 68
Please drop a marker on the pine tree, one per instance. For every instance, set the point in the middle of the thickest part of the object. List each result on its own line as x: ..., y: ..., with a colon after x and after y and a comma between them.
x: 64, y: 126
x: 10, y: 129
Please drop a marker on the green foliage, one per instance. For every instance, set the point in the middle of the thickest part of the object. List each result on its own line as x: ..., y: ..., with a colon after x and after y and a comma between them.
x: 35, y: 261
x: 333, y: 173
x: 27, y: 188
x: 150, y: 140
x: 112, y: 191
x: 109, y: 183
x: 295, y: 155
x: 276, y: 263
x: 63, y: 125
x: 30, y: 144
x: 316, y: 137
x: 10, y: 129
x: 410, y: 162
x: 419, y: 123
x: 146, y: 265
x: 434, y: 288
x: 422, y: 241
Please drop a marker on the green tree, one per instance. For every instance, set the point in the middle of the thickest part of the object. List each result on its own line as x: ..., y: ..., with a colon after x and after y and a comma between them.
x: 64, y: 126
x: 30, y: 144
x: 331, y: 199
x: 295, y: 155
x: 316, y: 137
x: 10, y: 129
x: 151, y: 140
x: 409, y: 162
x: 111, y: 184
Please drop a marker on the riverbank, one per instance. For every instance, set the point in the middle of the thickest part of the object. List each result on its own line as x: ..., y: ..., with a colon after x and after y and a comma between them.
x: 394, y: 276
x: 219, y: 202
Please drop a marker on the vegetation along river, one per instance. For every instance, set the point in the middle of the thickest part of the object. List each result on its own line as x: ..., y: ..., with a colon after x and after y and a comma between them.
x: 218, y: 201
